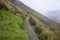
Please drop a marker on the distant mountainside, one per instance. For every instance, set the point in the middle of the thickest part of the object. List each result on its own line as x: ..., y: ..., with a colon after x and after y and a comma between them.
x: 17, y: 2
x: 54, y: 15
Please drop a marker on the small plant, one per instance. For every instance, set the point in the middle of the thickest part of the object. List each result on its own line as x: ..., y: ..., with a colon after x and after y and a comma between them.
x: 43, y: 36
x: 32, y: 20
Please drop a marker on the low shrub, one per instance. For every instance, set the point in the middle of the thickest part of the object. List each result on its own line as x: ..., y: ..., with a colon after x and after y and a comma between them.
x: 32, y: 20
x: 43, y: 31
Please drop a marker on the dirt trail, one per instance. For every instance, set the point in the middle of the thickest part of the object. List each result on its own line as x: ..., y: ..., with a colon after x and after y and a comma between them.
x: 31, y: 30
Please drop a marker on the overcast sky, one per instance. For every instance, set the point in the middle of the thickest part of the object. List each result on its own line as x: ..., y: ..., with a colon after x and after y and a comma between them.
x: 43, y: 6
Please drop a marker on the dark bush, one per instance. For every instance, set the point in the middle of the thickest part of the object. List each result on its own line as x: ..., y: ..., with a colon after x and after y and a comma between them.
x: 32, y: 20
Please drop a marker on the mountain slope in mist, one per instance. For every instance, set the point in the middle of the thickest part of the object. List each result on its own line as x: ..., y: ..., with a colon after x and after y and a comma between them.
x: 54, y: 15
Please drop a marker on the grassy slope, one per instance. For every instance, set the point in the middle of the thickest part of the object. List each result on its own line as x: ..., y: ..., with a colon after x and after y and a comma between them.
x: 52, y: 24
x: 12, y: 27
x: 21, y: 34
x: 43, y: 31
x: 46, y: 20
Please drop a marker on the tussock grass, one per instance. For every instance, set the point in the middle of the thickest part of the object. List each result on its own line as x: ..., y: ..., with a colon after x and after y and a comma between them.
x: 44, y: 32
x: 32, y: 20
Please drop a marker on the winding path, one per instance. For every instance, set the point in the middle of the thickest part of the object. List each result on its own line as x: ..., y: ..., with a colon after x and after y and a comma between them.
x: 31, y: 30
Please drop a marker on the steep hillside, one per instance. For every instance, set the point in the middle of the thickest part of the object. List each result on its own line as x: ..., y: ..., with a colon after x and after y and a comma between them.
x: 52, y: 24
x: 44, y: 32
x: 12, y: 25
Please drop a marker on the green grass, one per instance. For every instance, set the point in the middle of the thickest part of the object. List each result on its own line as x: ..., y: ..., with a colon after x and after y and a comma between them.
x: 22, y: 15
x: 12, y: 27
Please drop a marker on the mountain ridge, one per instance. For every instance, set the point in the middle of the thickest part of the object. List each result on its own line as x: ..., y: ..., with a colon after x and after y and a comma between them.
x: 54, y: 15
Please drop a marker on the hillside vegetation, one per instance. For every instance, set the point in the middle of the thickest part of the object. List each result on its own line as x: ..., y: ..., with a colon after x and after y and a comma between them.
x: 44, y: 32
x: 12, y: 26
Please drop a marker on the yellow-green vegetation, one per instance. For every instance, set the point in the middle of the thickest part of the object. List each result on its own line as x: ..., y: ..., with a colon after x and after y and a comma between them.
x: 32, y: 21
x: 44, y: 32
x: 22, y: 15
x: 12, y: 27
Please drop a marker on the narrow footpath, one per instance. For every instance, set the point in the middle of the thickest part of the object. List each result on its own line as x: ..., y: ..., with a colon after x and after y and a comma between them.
x: 31, y: 30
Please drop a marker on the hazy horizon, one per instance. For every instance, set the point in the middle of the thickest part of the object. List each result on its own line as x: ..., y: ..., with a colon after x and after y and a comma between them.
x: 43, y: 6
x: 46, y: 7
